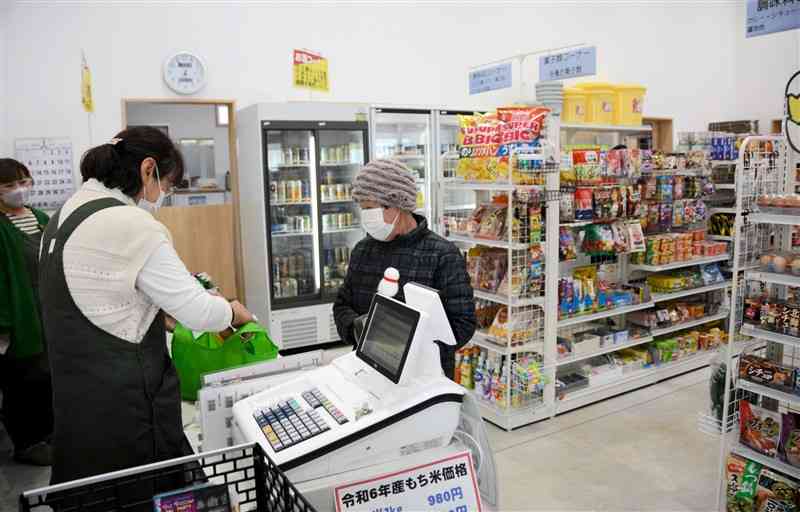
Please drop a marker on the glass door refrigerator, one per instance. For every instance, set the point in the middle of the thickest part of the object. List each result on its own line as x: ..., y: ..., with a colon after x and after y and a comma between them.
x: 405, y: 134
x: 300, y: 205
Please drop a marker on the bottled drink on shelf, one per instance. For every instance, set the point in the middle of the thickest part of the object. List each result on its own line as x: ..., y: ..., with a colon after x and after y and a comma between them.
x: 282, y: 192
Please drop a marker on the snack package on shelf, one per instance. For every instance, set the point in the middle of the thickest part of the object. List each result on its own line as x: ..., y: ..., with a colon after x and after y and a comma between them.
x: 759, y: 428
x: 789, y: 447
x: 741, y: 477
x: 782, y: 317
x: 781, y: 262
x: 485, y: 313
x: 486, y: 142
x: 786, y: 204
x: 487, y: 268
x: 567, y: 248
x: 776, y: 492
x: 721, y: 224
x: 588, y: 291
x: 767, y: 373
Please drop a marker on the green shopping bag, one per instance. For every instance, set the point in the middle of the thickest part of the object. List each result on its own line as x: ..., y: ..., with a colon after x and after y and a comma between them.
x: 194, y: 357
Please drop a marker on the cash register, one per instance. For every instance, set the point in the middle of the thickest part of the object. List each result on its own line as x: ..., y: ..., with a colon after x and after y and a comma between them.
x: 387, y: 399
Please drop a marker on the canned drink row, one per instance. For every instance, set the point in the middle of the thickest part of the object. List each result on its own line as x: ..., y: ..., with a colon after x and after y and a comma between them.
x: 296, y: 156
x: 289, y: 191
x: 337, y: 192
x: 333, y: 221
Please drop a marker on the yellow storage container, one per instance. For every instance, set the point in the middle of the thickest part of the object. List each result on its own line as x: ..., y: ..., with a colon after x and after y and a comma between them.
x: 602, y: 97
x: 630, y: 102
x: 574, y: 110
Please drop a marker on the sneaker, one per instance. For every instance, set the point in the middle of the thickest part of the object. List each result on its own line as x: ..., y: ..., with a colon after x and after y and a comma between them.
x: 40, y: 454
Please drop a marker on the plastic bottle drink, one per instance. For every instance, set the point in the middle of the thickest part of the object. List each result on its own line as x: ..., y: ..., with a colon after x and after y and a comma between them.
x: 477, y: 375
x: 457, y: 372
x: 466, y: 371
x: 488, y: 377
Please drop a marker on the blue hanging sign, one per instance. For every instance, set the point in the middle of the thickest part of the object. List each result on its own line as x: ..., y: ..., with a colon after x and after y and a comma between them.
x: 568, y: 64
x: 490, y: 79
x: 770, y: 16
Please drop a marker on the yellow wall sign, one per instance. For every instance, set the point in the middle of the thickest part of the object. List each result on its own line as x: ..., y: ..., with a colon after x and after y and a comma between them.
x: 310, y: 71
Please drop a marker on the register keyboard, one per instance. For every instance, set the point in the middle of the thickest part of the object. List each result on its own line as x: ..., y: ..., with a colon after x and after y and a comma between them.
x: 287, y: 423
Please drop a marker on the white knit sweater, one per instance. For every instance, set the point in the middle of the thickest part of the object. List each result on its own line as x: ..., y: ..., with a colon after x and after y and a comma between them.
x: 106, y: 254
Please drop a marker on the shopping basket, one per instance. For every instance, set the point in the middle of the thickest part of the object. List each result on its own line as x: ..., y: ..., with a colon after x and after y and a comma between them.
x: 257, y: 482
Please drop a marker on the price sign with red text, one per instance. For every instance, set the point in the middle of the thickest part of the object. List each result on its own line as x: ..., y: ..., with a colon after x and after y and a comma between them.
x: 310, y: 70
x: 446, y: 485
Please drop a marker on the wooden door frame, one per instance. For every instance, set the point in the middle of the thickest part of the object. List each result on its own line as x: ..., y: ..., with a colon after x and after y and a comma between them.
x: 234, y: 167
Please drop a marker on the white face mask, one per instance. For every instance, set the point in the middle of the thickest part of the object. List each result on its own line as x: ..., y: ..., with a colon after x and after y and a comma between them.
x: 372, y: 220
x: 17, y: 197
x: 150, y: 206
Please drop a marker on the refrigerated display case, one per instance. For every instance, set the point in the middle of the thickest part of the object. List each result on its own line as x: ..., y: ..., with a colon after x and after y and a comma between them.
x: 405, y: 134
x: 298, y: 220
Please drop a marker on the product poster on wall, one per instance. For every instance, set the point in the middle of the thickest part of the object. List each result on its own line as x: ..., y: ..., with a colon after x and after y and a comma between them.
x: 448, y: 484
x: 50, y: 162
x: 310, y: 70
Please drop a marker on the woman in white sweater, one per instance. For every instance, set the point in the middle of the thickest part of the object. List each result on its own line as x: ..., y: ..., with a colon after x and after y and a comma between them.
x: 109, y: 272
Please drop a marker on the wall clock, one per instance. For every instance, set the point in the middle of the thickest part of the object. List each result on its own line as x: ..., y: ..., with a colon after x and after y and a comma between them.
x: 185, y: 73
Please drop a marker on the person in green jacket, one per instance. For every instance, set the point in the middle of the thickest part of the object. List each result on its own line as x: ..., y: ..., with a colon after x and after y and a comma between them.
x: 27, y: 411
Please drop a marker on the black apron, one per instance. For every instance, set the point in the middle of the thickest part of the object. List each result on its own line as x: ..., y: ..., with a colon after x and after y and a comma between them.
x: 117, y: 404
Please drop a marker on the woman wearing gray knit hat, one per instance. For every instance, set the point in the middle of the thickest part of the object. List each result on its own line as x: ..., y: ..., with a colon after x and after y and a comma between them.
x: 386, y: 192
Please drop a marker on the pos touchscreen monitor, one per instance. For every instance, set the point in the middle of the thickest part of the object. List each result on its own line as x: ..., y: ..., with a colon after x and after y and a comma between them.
x: 387, y: 337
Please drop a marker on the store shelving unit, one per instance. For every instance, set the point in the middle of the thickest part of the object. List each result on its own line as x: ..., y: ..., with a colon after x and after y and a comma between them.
x: 761, y: 169
x: 605, y: 350
x: 600, y: 315
x: 752, y: 387
x: 722, y: 315
x: 645, y: 376
x: 634, y: 380
x: 769, y: 462
x: 681, y: 264
x: 663, y: 297
x: 526, y: 309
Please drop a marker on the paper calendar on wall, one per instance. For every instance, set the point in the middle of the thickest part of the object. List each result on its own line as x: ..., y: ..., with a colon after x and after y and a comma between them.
x: 50, y: 162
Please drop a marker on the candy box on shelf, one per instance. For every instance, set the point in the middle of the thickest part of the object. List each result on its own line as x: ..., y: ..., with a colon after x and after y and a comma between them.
x: 767, y: 373
x: 570, y: 382
x: 585, y: 343
x: 620, y: 336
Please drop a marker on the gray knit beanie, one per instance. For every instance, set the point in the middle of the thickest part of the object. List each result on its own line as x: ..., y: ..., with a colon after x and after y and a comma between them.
x: 387, y: 182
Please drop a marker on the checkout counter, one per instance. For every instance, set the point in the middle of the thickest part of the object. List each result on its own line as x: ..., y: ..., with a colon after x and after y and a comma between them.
x: 384, y: 407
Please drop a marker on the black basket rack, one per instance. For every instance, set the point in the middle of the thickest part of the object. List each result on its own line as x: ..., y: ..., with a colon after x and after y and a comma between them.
x: 256, y: 481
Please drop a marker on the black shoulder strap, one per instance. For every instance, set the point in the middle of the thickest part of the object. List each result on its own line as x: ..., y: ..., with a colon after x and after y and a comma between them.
x: 55, y: 236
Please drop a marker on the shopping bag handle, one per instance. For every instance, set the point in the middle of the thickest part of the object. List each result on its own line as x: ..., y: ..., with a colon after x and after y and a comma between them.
x: 247, y: 334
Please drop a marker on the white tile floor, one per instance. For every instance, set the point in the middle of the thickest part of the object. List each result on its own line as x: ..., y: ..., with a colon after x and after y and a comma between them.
x: 641, y: 451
